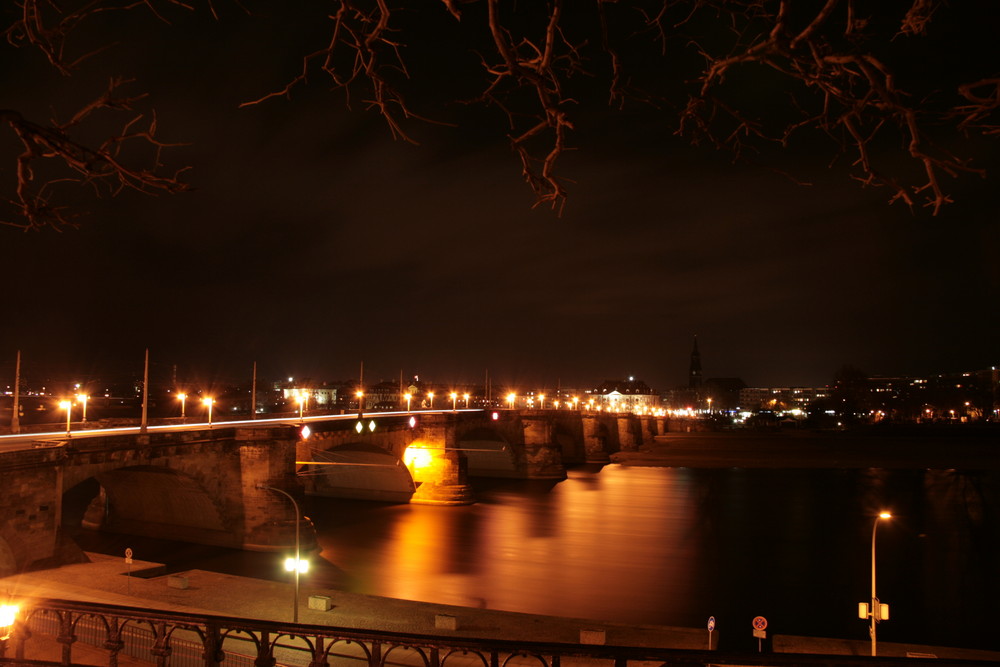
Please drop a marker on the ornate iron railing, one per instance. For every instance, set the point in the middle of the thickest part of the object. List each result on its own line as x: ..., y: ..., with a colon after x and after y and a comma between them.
x: 171, y: 639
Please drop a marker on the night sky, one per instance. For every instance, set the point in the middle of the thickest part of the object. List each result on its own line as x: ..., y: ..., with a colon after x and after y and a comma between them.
x: 314, y: 241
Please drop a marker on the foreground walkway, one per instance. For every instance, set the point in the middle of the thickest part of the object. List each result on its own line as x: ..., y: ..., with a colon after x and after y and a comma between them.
x: 109, y: 580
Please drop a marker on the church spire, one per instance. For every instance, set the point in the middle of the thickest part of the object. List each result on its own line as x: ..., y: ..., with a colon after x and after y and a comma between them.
x: 694, y: 372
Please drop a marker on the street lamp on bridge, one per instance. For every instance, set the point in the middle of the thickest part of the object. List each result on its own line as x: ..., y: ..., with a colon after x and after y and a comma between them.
x: 182, y: 397
x: 511, y: 397
x: 430, y: 398
x: 454, y: 401
x: 68, y: 407
x: 409, y: 398
x: 303, y: 398
x: 83, y: 398
x: 466, y: 397
x: 208, y: 401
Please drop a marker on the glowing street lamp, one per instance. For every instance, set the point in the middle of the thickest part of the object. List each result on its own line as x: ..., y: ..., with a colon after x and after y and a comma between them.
x: 454, y: 401
x: 297, y: 564
x: 541, y: 401
x: 466, y: 397
x: 408, y: 397
x: 68, y: 407
x: 208, y: 401
x: 575, y: 401
x: 511, y: 397
x: 83, y: 398
x: 303, y: 398
x: 430, y: 396
x: 8, y: 615
x: 182, y: 397
x: 360, y: 395
x: 874, y: 610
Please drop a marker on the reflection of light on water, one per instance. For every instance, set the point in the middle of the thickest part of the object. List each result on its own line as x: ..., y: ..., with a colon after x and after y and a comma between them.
x: 538, y: 552
x: 674, y: 545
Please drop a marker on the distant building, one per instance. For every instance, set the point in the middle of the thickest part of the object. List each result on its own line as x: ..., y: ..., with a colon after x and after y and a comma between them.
x: 624, y: 395
x: 780, y: 398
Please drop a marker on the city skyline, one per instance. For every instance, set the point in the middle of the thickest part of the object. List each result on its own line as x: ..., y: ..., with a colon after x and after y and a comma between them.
x: 313, y: 242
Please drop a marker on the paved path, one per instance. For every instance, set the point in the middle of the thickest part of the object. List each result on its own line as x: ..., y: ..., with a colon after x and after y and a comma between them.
x: 106, y: 580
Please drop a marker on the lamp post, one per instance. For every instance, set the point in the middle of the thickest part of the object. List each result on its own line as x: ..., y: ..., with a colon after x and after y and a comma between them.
x: 208, y: 401
x: 83, y: 398
x: 511, y: 397
x: 541, y: 401
x: 361, y: 401
x: 303, y: 398
x: 466, y: 397
x: 454, y: 402
x: 183, y: 398
x: 876, y: 611
x: 297, y: 565
x: 408, y: 397
x: 430, y: 397
x: 68, y: 407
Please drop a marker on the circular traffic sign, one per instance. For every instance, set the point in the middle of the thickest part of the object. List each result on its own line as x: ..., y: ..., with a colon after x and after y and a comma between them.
x: 128, y: 553
x: 759, y: 622
x: 711, y: 623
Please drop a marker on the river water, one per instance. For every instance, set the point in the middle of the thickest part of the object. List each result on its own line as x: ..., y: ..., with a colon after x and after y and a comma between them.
x: 673, y: 546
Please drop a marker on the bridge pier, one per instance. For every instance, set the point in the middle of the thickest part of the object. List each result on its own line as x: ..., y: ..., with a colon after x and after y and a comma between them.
x: 595, y: 444
x: 647, y: 427
x: 628, y: 441
x: 267, y: 459
x: 543, y: 458
x: 442, y: 476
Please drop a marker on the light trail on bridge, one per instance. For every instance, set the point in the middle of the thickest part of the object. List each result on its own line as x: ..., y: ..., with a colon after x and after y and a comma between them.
x: 18, y: 441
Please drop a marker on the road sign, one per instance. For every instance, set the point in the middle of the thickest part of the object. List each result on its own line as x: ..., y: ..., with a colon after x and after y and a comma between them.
x: 128, y: 555
x: 711, y: 623
x: 759, y: 623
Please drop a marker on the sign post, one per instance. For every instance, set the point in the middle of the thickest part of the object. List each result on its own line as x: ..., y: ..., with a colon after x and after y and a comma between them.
x: 711, y: 627
x: 759, y: 625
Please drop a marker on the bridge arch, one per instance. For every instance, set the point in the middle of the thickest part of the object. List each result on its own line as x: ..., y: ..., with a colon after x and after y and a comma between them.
x: 488, y: 452
x: 355, y: 470
x: 150, y: 501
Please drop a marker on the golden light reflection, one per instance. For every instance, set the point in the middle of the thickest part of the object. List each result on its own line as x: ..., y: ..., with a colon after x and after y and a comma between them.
x: 417, y: 455
x: 8, y: 614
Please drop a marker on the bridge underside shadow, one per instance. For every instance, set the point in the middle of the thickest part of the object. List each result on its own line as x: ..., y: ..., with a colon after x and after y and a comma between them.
x: 147, y: 501
x: 356, y: 471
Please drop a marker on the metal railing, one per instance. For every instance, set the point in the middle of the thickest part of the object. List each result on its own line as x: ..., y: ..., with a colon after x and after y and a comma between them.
x: 172, y: 639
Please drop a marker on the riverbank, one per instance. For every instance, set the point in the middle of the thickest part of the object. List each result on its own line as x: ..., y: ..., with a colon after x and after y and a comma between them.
x: 109, y: 580
x: 795, y: 448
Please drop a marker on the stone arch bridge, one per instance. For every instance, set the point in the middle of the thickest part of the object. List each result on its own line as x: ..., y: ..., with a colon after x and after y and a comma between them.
x: 208, y: 484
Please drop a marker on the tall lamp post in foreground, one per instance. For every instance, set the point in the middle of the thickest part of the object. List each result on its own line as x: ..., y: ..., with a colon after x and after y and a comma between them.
x: 296, y: 565
x: 874, y: 610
